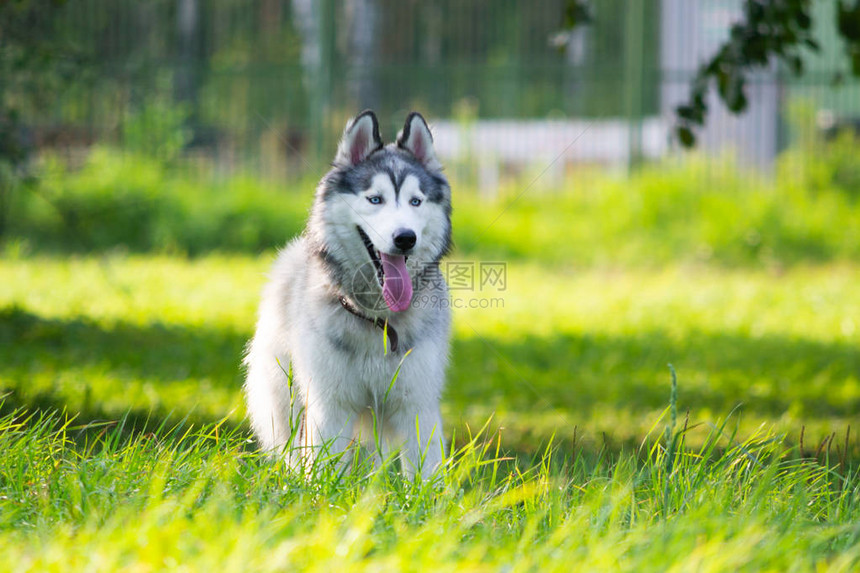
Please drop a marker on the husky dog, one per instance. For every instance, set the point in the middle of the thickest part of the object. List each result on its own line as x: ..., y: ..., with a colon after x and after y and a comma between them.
x: 348, y: 298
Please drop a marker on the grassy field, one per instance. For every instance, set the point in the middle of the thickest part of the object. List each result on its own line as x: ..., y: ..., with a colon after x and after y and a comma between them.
x: 123, y: 430
x: 143, y: 339
x: 159, y: 335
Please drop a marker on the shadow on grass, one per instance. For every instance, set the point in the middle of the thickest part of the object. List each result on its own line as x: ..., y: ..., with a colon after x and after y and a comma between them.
x: 154, y: 351
x: 93, y: 421
x: 716, y: 371
x: 34, y: 349
x: 572, y: 373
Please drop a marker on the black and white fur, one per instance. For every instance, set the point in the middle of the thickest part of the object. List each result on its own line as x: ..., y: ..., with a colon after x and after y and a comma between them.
x: 340, y: 370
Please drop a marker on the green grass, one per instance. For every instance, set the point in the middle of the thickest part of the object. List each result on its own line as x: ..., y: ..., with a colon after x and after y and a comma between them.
x: 76, y: 498
x: 143, y: 339
x: 102, y: 335
x: 122, y: 324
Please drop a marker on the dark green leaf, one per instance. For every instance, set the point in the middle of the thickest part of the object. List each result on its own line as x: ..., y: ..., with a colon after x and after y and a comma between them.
x: 686, y: 136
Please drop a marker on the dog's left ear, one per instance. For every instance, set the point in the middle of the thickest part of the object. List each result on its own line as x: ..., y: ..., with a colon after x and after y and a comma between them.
x: 417, y: 139
x: 360, y: 139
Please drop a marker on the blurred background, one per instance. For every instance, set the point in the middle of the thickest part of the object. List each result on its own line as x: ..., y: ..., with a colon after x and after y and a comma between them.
x: 267, y: 86
x: 150, y: 151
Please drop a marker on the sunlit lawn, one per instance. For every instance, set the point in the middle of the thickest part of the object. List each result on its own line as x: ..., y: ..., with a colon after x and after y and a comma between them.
x: 141, y: 339
x: 563, y: 348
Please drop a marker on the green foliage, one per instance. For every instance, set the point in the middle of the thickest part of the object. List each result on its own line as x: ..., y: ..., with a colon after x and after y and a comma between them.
x: 695, y: 211
x: 157, y: 130
x: 848, y: 21
x: 35, y: 60
x: 823, y: 168
x: 769, y: 31
x: 699, y: 211
x: 138, y: 203
x: 820, y: 167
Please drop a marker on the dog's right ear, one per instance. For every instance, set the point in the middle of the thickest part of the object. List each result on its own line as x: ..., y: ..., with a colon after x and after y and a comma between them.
x: 360, y: 139
x: 417, y: 139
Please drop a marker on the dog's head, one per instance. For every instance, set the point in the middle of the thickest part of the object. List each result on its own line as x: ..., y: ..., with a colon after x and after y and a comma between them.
x: 381, y: 217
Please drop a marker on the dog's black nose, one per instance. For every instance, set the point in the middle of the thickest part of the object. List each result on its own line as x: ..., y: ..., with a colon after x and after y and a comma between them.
x: 404, y: 239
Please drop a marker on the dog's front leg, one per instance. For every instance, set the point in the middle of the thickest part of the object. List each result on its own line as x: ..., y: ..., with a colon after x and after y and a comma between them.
x: 329, y: 434
x: 421, y: 432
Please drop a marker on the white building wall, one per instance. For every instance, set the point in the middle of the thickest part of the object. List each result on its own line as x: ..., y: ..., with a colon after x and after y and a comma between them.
x: 692, y: 31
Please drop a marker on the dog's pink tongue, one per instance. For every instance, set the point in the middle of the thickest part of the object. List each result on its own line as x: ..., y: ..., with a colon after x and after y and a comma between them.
x: 396, y: 282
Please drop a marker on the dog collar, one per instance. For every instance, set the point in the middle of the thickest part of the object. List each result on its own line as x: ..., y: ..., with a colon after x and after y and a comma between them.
x: 377, y: 322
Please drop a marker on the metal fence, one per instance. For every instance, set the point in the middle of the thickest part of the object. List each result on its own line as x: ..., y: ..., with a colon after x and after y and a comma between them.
x: 268, y: 84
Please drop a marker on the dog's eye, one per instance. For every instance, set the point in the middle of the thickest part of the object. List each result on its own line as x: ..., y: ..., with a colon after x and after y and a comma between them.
x: 375, y: 200
x: 415, y: 201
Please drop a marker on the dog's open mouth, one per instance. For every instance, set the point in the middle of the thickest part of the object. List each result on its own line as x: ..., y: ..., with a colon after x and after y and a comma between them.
x: 392, y: 275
